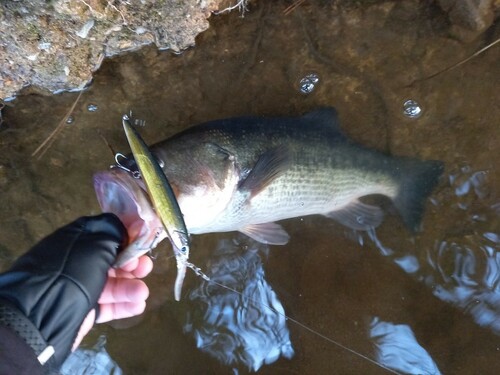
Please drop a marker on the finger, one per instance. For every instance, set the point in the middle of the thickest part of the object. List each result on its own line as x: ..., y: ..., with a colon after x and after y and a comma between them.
x: 112, y: 311
x: 136, y: 268
x: 86, y: 326
x: 144, y: 267
x: 121, y: 274
x: 124, y: 290
x: 124, y: 271
x: 130, y: 265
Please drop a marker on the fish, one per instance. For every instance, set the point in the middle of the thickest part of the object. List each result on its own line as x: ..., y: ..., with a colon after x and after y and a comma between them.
x: 164, y: 202
x: 247, y: 173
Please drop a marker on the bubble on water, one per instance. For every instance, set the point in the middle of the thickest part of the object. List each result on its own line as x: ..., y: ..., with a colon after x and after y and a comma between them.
x: 70, y: 120
x: 92, y: 108
x: 412, y: 109
x: 308, y: 83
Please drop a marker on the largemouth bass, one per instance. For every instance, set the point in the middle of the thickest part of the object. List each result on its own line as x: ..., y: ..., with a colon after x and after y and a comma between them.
x: 244, y: 174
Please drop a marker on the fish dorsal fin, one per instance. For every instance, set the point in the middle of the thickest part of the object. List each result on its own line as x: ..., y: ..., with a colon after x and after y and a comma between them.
x: 358, y: 216
x: 326, y: 116
x: 267, y: 233
x: 271, y: 164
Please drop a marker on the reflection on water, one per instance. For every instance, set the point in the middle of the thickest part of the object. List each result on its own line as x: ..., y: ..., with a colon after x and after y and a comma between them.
x: 466, y: 181
x: 244, y: 328
x: 463, y: 270
x: 398, y: 349
x: 467, y: 265
x: 95, y: 360
x: 468, y: 276
x: 245, y: 324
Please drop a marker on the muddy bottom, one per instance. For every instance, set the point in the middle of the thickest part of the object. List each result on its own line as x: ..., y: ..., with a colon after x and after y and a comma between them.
x: 434, y: 297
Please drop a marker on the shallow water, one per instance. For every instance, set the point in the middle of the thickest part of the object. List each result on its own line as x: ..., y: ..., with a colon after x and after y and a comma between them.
x: 437, y: 292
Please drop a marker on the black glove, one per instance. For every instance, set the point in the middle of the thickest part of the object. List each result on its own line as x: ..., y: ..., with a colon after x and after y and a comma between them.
x: 58, y: 282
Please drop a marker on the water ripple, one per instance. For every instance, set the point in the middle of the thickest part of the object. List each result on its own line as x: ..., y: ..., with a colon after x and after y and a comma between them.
x: 398, y: 349
x: 238, y: 329
x: 463, y: 268
x: 468, y: 276
x: 94, y: 360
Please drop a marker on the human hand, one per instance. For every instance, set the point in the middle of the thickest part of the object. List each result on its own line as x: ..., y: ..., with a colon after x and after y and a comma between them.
x: 123, y: 296
x: 47, y: 293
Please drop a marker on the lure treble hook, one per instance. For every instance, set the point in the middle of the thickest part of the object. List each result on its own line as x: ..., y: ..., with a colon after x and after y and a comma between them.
x: 118, y: 155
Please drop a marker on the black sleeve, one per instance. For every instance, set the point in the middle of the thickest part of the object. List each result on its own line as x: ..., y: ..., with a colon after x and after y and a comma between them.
x: 16, y: 357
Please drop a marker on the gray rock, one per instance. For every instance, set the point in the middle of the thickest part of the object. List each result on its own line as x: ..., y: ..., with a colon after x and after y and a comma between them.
x: 57, y: 45
x: 470, y: 18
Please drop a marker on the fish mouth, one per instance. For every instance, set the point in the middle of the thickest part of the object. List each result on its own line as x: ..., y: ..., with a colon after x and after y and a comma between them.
x: 126, y: 197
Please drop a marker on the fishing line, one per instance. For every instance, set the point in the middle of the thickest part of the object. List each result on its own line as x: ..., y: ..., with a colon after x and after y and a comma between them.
x: 198, y: 272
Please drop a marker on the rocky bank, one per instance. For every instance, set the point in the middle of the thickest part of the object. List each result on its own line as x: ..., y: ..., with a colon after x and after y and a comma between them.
x: 57, y: 45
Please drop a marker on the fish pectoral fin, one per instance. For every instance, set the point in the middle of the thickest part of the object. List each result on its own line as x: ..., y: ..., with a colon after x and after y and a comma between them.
x: 358, y: 215
x: 267, y: 233
x: 271, y: 164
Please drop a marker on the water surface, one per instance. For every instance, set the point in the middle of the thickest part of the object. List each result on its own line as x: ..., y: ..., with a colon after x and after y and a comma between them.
x: 434, y: 295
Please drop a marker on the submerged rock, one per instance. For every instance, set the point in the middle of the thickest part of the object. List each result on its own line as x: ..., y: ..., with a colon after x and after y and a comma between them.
x: 57, y: 45
x: 469, y: 19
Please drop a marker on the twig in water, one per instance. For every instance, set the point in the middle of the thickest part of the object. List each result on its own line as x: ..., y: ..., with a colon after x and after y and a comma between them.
x: 106, y: 143
x: 292, y: 7
x: 458, y: 63
x: 42, y: 149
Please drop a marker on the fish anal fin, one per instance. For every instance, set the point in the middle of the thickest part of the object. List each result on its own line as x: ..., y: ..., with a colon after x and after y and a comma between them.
x: 358, y: 215
x: 271, y: 164
x: 267, y: 233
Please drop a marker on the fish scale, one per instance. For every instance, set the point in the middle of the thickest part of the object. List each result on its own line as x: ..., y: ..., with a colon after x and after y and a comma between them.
x: 291, y: 195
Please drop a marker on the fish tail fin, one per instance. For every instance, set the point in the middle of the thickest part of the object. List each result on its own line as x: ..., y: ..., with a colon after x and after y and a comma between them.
x: 418, y: 179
